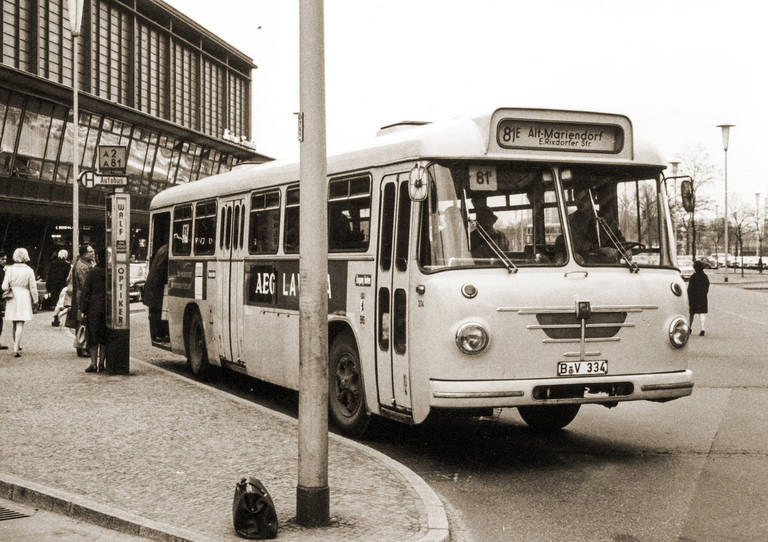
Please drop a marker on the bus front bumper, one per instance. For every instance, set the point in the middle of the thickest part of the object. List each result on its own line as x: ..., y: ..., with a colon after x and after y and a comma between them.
x: 605, y: 389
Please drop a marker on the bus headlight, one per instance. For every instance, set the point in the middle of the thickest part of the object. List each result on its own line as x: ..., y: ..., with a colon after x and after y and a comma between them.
x: 472, y: 338
x: 679, y: 332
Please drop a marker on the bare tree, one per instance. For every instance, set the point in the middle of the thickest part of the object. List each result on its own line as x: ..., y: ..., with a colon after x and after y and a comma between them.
x: 742, y: 217
x: 696, y: 162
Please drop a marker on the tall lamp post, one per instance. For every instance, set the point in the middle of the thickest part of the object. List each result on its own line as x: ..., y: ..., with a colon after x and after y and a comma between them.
x: 75, y: 18
x: 759, y: 233
x: 726, y: 128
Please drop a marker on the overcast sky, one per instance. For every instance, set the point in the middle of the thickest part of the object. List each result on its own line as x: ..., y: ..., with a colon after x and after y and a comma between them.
x: 676, y: 68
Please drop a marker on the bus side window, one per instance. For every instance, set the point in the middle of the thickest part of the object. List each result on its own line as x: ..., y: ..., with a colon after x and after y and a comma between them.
x: 182, y: 230
x: 349, y: 214
x: 222, y: 229
x: 403, y: 228
x: 291, y: 232
x: 228, y: 229
x: 264, y: 224
x: 205, y: 227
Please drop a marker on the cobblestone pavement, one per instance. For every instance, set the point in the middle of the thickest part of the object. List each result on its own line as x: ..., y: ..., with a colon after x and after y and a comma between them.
x: 166, y: 452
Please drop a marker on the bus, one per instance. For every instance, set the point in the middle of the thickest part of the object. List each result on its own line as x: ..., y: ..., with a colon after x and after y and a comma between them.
x: 523, y: 259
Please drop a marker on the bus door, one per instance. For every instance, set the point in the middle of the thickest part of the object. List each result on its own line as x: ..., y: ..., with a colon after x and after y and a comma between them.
x: 392, y: 369
x: 229, y: 278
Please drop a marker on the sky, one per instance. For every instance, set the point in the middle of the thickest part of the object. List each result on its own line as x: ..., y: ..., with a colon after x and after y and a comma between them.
x: 677, y: 68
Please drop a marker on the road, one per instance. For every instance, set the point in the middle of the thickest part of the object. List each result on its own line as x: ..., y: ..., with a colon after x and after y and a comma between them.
x: 691, y: 469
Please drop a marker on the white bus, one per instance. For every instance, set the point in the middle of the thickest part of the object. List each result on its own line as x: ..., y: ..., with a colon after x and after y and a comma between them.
x: 465, y: 272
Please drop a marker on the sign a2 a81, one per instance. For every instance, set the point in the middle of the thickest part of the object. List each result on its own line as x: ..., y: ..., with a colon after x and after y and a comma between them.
x: 112, y: 159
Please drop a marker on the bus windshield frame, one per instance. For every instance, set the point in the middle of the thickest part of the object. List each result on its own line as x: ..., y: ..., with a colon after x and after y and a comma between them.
x: 494, y: 214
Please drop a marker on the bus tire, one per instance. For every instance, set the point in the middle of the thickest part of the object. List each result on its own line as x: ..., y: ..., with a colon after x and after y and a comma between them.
x: 547, y: 418
x: 346, y: 396
x: 197, y: 352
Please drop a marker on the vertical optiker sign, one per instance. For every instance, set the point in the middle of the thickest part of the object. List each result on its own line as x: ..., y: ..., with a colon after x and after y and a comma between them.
x: 121, y: 212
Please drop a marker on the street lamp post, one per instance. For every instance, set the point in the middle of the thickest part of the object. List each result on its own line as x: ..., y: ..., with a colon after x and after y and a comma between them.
x: 75, y: 18
x: 726, y: 128
x: 759, y: 233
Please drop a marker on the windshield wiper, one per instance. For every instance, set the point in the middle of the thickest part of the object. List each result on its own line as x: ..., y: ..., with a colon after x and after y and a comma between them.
x: 497, y: 250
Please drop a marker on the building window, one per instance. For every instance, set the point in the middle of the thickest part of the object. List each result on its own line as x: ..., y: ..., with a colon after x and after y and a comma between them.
x: 10, y: 132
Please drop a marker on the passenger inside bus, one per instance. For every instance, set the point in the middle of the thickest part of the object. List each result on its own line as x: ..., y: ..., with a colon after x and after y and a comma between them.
x: 486, y: 219
x: 591, y: 242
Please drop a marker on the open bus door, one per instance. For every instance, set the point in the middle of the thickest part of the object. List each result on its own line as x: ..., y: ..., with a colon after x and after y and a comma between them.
x: 392, y: 367
x: 230, y: 280
x: 158, y: 324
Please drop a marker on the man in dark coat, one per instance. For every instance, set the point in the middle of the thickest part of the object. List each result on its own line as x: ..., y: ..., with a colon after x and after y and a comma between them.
x: 698, y: 288
x: 57, y: 278
x: 79, y: 272
x: 93, y: 307
x: 157, y: 277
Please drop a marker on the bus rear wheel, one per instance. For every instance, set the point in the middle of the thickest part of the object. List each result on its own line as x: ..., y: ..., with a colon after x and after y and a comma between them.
x: 546, y: 418
x: 197, y: 353
x: 346, y: 397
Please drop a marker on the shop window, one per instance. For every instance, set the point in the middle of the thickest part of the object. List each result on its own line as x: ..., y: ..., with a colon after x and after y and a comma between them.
x: 205, y: 228
x: 264, y: 226
x: 182, y: 230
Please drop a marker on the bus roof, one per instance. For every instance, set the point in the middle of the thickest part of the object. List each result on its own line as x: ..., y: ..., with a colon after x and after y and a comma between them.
x: 468, y: 138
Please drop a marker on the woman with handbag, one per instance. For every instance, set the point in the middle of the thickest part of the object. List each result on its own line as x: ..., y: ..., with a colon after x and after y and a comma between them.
x: 93, y: 305
x: 20, y: 293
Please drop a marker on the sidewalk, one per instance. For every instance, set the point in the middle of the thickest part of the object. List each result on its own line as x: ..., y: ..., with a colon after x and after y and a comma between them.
x: 157, y: 455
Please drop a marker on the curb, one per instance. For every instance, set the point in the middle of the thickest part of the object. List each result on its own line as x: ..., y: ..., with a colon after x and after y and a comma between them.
x: 78, y: 507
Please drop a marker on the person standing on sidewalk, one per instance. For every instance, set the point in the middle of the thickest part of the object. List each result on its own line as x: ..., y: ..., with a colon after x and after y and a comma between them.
x: 698, y: 288
x: 93, y: 305
x: 57, y: 278
x: 19, y: 279
x: 80, y: 270
x: 3, y: 262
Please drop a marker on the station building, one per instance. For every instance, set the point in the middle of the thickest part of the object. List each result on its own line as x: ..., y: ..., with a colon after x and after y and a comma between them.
x: 150, y: 78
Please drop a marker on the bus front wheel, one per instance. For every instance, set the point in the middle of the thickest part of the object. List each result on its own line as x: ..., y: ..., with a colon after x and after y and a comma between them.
x: 547, y: 418
x: 346, y: 397
x: 197, y: 353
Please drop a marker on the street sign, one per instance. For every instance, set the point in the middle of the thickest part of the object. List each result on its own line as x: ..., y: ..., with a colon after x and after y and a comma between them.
x: 112, y: 159
x: 110, y: 180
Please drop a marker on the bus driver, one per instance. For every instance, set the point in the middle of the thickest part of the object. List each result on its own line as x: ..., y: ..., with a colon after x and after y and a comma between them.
x: 590, y: 242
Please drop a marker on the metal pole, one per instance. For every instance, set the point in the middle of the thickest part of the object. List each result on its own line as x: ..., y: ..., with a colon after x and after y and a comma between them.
x: 75, y: 160
x: 312, y: 494
x: 726, y: 215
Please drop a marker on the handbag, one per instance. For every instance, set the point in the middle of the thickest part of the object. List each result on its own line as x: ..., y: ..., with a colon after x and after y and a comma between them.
x: 253, y: 511
x: 82, y: 336
x: 7, y: 294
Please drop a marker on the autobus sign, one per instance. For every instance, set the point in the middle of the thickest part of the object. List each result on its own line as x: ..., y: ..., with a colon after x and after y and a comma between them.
x: 111, y: 180
x: 559, y: 136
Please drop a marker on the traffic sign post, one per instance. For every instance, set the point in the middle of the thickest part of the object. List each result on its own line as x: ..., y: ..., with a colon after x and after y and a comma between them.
x: 111, y: 167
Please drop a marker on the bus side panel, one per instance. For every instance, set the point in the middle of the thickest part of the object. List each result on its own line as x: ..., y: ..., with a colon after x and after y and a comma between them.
x: 271, y: 345
x: 361, y: 316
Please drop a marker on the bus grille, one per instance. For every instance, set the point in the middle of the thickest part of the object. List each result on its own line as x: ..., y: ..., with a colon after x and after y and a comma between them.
x: 566, y: 326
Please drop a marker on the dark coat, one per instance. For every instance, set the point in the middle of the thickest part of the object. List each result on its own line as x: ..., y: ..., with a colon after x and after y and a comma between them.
x: 698, y: 287
x: 57, y: 277
x: 93, y: 303
x: 157, y: 277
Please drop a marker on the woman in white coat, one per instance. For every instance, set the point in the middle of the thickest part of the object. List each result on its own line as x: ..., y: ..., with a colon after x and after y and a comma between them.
x: 19, y: 279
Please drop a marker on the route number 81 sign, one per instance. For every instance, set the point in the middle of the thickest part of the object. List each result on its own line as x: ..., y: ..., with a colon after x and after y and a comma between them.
x: 112, y: 159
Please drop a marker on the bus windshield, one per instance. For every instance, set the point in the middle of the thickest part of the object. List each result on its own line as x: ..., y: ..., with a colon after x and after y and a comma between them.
x: 480, y: 215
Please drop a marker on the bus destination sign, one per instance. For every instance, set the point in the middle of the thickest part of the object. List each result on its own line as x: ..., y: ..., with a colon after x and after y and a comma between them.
x: 559, y: 136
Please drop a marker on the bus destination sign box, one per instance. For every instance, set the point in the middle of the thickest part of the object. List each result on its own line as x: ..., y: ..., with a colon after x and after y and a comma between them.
x: 554, y: 136
x: 112, y: 159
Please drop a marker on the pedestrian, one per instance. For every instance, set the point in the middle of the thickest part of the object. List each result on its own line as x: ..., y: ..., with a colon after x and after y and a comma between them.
x: 80, y: 269
x: 698, y: 288
x: 58, y: 272
x: 20, y: 281
x: 3, y: 262
x: 93, y: 306
x: 154, y: 287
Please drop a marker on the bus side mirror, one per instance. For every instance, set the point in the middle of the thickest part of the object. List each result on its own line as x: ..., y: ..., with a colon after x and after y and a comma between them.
x: 686, y: 195
x: 417, y: 183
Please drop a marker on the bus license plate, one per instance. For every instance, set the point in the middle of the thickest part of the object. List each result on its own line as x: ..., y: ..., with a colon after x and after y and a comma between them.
x: 582, y: 368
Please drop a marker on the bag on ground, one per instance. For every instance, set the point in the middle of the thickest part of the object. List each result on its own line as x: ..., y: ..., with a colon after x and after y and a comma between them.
x: 253, y: 511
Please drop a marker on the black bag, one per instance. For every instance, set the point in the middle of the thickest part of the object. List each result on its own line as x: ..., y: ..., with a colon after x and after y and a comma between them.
x: 253, y: 511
